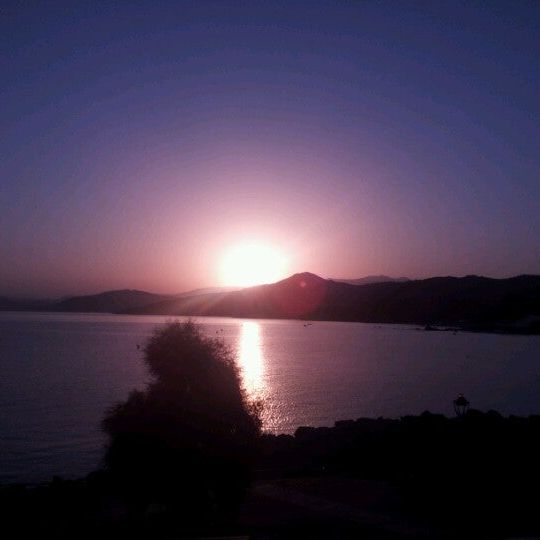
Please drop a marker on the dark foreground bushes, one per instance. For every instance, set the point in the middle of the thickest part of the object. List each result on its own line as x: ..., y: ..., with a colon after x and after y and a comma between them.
x: 179, y: 457
x: 477, y: 472
x: 186, y: 444
x: 181, y: 453
x: 471, y: 477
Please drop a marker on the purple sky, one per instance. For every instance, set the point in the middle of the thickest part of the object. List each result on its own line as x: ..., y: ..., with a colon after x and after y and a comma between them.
x: 140, y: 140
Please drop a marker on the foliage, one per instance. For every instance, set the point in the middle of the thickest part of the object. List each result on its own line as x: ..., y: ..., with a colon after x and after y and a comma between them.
x: 188, y: 440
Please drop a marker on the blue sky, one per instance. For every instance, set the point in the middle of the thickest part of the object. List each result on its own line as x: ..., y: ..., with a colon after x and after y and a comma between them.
x: 140, y: 141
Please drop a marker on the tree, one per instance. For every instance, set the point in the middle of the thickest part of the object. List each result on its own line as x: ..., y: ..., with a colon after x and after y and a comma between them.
x: 187, y: 442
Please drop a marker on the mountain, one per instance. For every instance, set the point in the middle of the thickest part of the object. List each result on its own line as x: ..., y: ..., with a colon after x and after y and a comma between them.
x: 108, y: 302
x: 9, y: 304
x: 207, y: 290
x: 23, y: 304
x: 105, y: 302
x: 371, y: 279
x: 471, y: 302
x: 284, y: 299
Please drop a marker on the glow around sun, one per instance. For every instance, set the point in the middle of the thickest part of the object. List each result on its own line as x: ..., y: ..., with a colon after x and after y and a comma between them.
x: 252, y: 264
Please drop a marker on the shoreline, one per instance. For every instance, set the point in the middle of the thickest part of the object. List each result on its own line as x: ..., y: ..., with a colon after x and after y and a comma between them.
x: 303, y: 434
x: 387, y: 478
x: 496, y: 328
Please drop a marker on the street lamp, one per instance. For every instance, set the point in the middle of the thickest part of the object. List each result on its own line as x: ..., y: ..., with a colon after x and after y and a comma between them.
x: 460, y: 405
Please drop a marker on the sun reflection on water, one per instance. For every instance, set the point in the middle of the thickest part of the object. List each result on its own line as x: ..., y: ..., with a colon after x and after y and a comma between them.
x: 251, y: 358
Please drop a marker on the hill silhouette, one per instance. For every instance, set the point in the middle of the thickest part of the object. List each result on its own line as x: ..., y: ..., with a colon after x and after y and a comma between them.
x: 24, y: 304
x: 108, y: 302
x: 471, y: 302
x: 510, y: 305
x: 371, y: 279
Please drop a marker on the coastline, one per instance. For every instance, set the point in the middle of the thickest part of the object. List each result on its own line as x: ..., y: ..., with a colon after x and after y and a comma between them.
x: 397, y: 478
x: 495, y: 328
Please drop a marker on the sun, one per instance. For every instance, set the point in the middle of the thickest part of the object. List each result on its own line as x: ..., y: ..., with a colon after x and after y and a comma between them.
x: 252, y: 264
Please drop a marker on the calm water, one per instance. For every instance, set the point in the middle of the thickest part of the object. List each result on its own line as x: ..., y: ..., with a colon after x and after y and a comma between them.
x: 59, y: 372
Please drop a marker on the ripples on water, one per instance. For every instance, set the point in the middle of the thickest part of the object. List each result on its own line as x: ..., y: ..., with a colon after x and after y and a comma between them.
x: 59, y: 372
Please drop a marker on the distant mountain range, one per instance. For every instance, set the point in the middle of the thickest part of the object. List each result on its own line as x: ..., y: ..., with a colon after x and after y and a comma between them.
x: 371, y: 279
x: 23, y: 304
x: 108, y: 302
x: 471, y: 302
x: 207, y: 290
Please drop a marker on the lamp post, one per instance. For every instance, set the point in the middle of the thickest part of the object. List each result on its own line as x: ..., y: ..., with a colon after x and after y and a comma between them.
x: 461, y: 405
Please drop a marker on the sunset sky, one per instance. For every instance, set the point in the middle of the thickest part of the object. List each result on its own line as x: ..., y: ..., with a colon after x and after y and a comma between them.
x: 142, y: 143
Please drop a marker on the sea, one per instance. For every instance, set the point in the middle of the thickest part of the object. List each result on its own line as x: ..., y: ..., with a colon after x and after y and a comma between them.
x: 60, y: 372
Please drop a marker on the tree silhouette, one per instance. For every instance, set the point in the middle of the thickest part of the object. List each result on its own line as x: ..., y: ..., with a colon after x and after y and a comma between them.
x: 187, y: 442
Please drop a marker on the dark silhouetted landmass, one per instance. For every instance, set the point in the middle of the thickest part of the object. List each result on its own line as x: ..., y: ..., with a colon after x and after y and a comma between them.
x: 371, y: 279
x: 207, y: 290
x: 105, y: 302
x: 9, y: 304
x: 108, y: 302
x: 477, y: 473
x: 23, y: 304
x: 425, y: 476
x: 472, y: 302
